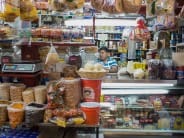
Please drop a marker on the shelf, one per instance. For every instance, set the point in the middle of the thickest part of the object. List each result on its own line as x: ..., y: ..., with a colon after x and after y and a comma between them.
x: 108, y: 32
x: 64, y: 44
x: 140, y: 131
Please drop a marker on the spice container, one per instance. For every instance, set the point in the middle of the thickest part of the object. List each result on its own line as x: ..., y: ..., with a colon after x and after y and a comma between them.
x: 16, y: 92
x: 5, y: 91
x: 40, y: 94
x: 34, y: 113
x: 72, y: 95
x: 16, y: 114
x: 28, y: 96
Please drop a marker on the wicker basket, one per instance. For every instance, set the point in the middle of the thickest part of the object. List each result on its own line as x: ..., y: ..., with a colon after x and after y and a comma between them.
x: 131, y: 6
x: 92, y: 75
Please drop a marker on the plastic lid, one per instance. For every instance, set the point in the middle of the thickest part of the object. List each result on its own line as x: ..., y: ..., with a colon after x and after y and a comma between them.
x: 90, y: 104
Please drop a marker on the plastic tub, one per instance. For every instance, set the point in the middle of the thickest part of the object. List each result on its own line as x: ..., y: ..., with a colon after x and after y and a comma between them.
x: 91, y: 90
x: 91, y: 112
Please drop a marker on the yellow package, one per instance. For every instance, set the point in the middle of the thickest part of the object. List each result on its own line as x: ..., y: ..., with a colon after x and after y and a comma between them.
x: 28, y: 10
x: 12, y: 10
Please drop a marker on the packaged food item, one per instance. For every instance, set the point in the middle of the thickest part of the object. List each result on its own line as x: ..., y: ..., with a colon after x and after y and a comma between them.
x: 11, y: 10
x: 131, y: 6
x: 59, y: 121
x: 42, y: 4
x: 97, y: 4
x: 157, y: 103
x: 164, y: 7
x: 72, y: 95
x: 140, y: 32
x: 154, y: 69
x: 74, y: 4
x: 16, y: 92
x: 3, y: 114
x: 5, y: 91
x: 34, y: 113
x: 28, y: 10
x: 70, y: 72
x: 16, y: 114
x: 67, y: 112
x: 164, y: 123
x: 52, y: 57
x: 168, y: 70
x: 150, y: 8
x: 28, y: 96
x: 47, y: 115
x: 75, y: 121
x: 58, y: 5
x: 112, y: 6
x: 40, y: 94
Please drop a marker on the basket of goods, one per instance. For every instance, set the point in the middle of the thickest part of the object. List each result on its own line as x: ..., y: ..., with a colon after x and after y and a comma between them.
x: 16, y: 114
x: 40, y: 93
x: 92, y: 71
x: 34, y: 113
x: 16, y: 92
x: 5, y: 91
x: 3, y: 114
x: 131, y: 6
x: 28, y: 96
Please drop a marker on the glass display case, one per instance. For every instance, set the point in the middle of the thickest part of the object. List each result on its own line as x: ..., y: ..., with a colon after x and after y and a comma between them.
x: 142, y: 107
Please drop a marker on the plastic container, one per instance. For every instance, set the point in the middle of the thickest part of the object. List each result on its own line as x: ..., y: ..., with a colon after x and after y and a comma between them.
x: 91, y: 90
x: 91, y: 111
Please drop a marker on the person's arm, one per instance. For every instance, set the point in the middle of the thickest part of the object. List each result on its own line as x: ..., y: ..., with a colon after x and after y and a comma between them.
x: 114, y: 69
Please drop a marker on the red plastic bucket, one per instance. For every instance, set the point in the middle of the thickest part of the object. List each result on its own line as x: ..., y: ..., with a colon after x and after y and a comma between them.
x: 91, y: 90
x: 91, y: 112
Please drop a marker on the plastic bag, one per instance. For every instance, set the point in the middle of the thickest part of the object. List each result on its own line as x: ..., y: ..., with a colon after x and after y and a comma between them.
x: 74, y: 4
x: 52, y: 56
x: 169, y: 22
x: 97, y: 4
x: 58, y: 5
x: 150, y: 8
x: 164, y: 7
x: 28, y: 10
x: 112, y: 6
x: 11, y: 10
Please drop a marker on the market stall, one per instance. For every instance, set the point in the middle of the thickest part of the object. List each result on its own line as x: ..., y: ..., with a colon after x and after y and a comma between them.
x: 54, y: 84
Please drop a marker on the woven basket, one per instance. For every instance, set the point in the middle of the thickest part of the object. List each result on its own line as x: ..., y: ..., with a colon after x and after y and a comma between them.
x: 131, y: 6
x: 92, y: 75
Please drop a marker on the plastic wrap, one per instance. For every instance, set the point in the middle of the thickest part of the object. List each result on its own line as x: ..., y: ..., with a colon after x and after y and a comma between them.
x: 40, y: 94
x: 52, y: 56
x: 16, y: 114
x: 16, y: 92
x: 5, y: 91
x: 28, y: 96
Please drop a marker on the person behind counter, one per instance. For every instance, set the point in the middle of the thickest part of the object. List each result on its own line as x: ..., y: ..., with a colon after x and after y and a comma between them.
x: 108, y: 62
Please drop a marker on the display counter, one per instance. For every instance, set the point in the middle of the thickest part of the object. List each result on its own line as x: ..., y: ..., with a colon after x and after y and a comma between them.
x: 142, y: 107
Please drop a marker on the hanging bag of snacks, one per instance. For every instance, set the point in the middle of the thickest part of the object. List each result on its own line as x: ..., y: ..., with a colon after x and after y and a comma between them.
x: 11, y: 10
x: 74, y: 4
x: 52, y: 57
x: 140, y: 32
x: 97, y: 4
x: 28, y: 10
x: 131, y: 6
x: 58, y: 5
x: 112, y: 6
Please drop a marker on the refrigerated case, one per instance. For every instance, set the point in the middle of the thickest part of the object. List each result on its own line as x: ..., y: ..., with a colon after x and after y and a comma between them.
x: 142, y: 108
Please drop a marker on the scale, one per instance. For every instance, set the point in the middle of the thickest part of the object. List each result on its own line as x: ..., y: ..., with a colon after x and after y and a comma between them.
x: 22, y: 67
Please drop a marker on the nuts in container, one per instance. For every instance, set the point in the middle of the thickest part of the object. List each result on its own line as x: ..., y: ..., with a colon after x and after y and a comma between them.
x: 28, y: 96
x: 5, y: 91
x: 16, y: 92
x: 40, y: 93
